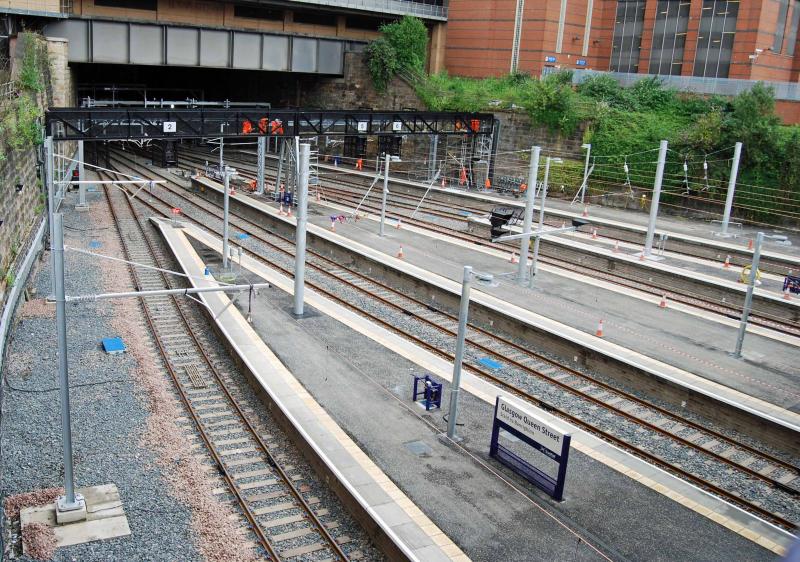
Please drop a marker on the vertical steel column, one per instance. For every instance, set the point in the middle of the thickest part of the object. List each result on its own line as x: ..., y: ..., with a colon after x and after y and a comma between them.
x: 225, y: 198
x: 385, y: 192
x: 81, y: 176
x: 651, y: 226
x: 221, y: 143
x: 68, y: 502
x: 540, y: 226
x: 585, y: 183
x: 455, y: 387
x: 280, y: 168
x: 262, y: 154
x: 296, y: 178
x: 51, y: 204
x: 433, y: 151
x: 300, y: 231
x: 748, y: 299
x: 530, y: 196
x: 726, y: 217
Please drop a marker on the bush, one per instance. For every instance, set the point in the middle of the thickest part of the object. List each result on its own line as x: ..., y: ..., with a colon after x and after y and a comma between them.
x: 551, y: 102
x: 382, y: 61
x: 403, y: 46
x: 21, y: 123
x: 409, y: 37
x: 649, y: 93
x: 32, y: 60
x: 604, y: 88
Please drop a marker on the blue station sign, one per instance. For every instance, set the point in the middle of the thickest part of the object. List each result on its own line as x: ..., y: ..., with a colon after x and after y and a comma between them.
x: 546, y: 466
x: 549, y: 58
x: 580, y: 62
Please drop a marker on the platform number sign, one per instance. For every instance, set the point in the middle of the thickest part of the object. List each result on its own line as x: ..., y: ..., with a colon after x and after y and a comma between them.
x: 170, y: 126
x: 397, y: 126
x: 363, y: 126
x: 546, y: 465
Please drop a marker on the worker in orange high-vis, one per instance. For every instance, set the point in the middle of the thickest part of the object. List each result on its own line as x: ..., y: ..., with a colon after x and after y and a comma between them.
x: 360, y: 164
x: 462, y: 177
x: 523, y: 187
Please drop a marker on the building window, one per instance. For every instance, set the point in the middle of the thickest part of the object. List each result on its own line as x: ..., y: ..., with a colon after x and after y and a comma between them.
x: 128, y: 4
x: 780, y: 27
x: 669, y: 37
x: 715, y: 38
x: 257, y: 13
x: 627, y: 36
x: 315, y: 18
x: 791, y: 40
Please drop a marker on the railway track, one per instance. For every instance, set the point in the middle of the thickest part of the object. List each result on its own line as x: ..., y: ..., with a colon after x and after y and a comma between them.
x: 745, y: 475
x: 640, y: 283
x: 284, y: 520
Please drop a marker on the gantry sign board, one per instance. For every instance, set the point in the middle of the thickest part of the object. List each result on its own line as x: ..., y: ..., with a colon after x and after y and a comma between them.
x: 546, y: 467
x: 112, y: 123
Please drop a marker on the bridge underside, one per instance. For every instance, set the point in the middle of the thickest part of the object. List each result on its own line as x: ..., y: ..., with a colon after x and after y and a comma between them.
x: 114, y: 42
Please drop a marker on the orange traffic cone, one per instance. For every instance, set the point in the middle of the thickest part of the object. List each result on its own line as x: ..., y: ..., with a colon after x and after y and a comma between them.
x: 727, y: 263
x: 663, y: 303
x: 599, y: 332
x: 642, y: 257
x: 444, y: 182
x: 319, y: 196
x: 400, y: 252
x: 280, y: 210
x: 787, y: 296
x: 563, y: 224
x: 487, y: 184
x: 585, y: 212
x: 397, y: 226
x: 333, y: 226
x: 514, y: 257
x: 616, y: 247
x: 289, y: 211
x: 750, y: 244
x: 594, y: 234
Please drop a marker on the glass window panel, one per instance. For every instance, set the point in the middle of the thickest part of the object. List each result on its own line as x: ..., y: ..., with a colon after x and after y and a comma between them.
x: 627, y: 35
x: 715, y: 39
x: 780, y: 27
x: 672, y: 20
x: 791, y: 42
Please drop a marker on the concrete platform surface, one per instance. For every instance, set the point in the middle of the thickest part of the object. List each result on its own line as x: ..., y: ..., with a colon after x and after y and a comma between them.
x: 488, y: 512
x: 408, y: 528
x: 630, y: 467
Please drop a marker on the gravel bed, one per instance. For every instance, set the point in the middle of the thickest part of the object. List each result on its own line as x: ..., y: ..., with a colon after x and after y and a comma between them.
x: 108, y: 418
x: 289, y: 457
x: 697, y: 463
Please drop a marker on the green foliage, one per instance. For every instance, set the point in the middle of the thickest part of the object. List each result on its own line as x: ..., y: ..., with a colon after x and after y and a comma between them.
x: 21, y: 123
x: 752, y: 121
x: 552, y: 102
x: 409, y: 37
x: 33, y: 58
x: 10, y: 279
x: 382, y: 61
x: 403, y: 46
x: 649, y: 93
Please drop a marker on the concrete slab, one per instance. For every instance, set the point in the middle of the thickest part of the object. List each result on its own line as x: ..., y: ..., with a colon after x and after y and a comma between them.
x: 105, y: 517
x: 319, y: 431
x: 348, y: 393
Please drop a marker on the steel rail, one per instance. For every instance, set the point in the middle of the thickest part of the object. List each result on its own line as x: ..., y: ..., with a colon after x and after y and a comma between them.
x: 320, y: 527
x: 729, y: 496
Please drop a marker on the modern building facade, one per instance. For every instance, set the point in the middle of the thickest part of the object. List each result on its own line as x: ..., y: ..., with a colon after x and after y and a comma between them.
x: 745, y: 39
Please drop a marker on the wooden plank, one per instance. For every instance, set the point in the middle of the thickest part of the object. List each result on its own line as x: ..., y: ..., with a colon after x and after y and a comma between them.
x: 275, y: 508
x: 302, y: 550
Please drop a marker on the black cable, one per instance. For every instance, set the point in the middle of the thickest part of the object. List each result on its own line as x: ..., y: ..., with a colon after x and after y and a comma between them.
x: 35, y: 390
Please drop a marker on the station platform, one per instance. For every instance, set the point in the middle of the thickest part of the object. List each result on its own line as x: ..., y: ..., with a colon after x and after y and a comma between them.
x: 678, y: 229
x: 413, y: 534
x: 679, y: 342
x: 360, y: 374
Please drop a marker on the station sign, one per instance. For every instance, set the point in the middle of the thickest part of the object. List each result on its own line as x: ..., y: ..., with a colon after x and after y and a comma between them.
x: 170, y: 126
x: 549, y: 58
x: 580, y: 62
x: 397, y: 126
x: 363, y: 126
x: 546, y: 466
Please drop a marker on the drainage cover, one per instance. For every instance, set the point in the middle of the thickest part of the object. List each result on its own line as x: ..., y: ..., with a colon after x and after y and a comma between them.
x: 419, y: 448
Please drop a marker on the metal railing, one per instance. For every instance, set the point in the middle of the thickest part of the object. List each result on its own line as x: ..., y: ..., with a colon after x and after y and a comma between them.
x: 789, y: 91
x: 426, y: 9
x: 7, y: 90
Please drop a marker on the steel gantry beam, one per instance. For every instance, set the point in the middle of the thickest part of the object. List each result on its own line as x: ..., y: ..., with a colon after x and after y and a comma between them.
x: 148, y: 123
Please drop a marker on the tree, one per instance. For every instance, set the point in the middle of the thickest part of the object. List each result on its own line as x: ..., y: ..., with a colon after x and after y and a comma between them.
x: 752, y: 121
x: 403, y: 46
